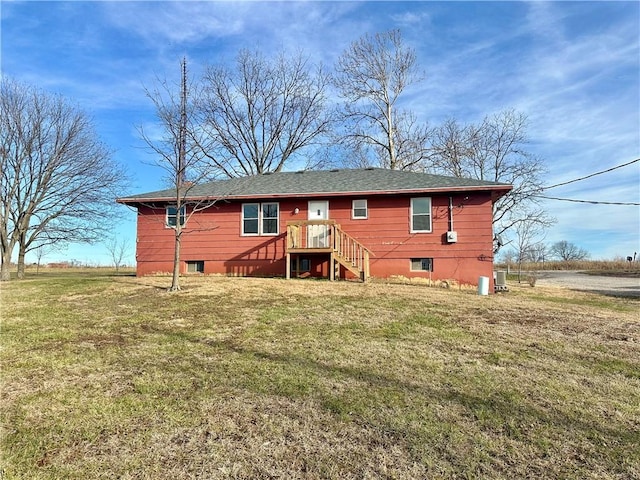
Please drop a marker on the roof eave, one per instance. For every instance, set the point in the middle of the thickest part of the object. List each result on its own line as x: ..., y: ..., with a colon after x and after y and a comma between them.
x: 497, y: 192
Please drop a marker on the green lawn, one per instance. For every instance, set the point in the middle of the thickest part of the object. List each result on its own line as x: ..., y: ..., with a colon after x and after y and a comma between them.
x: 113, y: 377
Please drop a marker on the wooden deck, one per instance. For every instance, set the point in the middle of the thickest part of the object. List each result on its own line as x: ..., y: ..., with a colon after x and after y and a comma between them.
x: 326, y: 236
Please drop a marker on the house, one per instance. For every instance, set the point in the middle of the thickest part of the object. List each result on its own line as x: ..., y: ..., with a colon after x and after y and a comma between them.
x: 332, y: 224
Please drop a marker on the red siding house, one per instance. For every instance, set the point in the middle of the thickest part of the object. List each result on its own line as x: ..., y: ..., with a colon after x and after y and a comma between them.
x: 333, y: 224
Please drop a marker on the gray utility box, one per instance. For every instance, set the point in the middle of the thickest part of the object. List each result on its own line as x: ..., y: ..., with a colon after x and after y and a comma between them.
x: 500, y: 281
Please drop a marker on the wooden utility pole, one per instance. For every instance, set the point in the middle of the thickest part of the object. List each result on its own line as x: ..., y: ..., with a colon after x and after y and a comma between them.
x: 180, y: 176
x: 183, y: 124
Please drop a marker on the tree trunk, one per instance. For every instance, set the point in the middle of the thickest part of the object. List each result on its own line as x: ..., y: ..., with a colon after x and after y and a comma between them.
x: 21, y: 264
x: 5, y: 270
x: 175, y: 282
x: 9, y: 243
x: 22, y: 250
x: 390, y: 140
x: 520, y: 271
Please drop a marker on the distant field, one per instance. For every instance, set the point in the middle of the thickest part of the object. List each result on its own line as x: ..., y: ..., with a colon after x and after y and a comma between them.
x: 595, y: 267
x: 113, y: 377
x: 615, y: 273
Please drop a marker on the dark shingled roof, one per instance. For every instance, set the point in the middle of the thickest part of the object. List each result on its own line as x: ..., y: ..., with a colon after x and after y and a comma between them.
x: 325, y: 183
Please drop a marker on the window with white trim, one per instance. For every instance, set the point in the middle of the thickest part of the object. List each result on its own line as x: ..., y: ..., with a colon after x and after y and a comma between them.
x: 359, y: 209
x: 420, y: 215
x: 172, y: 215
x: 195, y: 266
x: 422, y: 264
x: 270, y: 218
x: 260, y: 218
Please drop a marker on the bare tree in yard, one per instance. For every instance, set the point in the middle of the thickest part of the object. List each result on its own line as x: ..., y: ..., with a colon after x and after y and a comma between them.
x: 371, y: 76
x: 262, y: 114
x: 529, y: 239
x: 117, y: 251
x: 508, y: 257
x: 59, y: 181
x: 495, y: 150
x: 180, y: 156
x: 39, y: 252
x: 567, y: 251
x: 539, y: 253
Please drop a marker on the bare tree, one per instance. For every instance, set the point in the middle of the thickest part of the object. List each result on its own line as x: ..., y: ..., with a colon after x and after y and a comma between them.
x: 529, y: 239
x: 40, y: 251
x: 180, y: 156
x: 508, y: 257
x: 539, y: 253
x: 262, y: 114
x: 495, y: 150
x: 452, y: 148
x: 567, y: 251
x: 117, y: 250
x: 371, y: 75
x: 59, y: 181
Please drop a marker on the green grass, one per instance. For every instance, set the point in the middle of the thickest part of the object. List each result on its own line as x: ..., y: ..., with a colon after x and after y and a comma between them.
x: 605, y: 302
x: 113, y: 377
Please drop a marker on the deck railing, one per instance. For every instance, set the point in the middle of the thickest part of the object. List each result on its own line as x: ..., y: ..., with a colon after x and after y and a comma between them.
x: 310, y: 234
x: 328, y: 236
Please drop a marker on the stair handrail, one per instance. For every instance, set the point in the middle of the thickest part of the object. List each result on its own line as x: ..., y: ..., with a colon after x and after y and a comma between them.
x: 349, y: 250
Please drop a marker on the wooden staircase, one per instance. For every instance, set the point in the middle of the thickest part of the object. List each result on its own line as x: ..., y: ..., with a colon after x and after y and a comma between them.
x: 326, y: 236
x: 350, y: 253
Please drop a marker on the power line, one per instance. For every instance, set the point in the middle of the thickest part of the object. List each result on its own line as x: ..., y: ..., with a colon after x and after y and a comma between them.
x: 594, y: 202
x: 593, y: 175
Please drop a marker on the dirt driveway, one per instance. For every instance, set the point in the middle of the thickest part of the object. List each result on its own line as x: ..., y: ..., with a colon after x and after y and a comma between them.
x: 605, y: 285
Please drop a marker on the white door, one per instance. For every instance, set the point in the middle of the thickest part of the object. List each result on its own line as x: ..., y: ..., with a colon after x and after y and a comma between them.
x: 318, y: 235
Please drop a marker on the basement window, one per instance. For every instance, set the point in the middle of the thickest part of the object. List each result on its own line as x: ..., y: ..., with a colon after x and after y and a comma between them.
x: 195, y: 266
x: 305, y: 265
x: 422, y: 264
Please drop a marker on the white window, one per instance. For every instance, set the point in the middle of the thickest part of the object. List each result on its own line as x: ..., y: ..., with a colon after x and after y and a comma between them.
x: 172, y: 215
x: 270, y: 222
x: 359, y: 209
x: 422, y: 264
x: 250, y: 218
x: 195, y: 266
x: 260, y: 218
x: 420, y: 215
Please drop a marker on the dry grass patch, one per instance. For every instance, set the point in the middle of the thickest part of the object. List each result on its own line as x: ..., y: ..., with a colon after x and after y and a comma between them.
x: 266, y: 378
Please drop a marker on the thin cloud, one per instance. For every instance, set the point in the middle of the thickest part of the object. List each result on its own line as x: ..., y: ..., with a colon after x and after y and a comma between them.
x: 411, y: 18
x: 180, y: 22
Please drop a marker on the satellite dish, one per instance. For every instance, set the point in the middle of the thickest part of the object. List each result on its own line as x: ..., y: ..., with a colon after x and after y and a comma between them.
x: 497, y: 243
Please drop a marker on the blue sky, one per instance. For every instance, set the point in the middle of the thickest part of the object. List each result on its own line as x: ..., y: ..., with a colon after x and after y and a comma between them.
x: 572, y: 67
